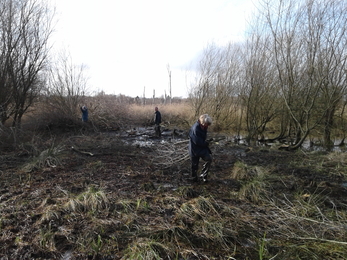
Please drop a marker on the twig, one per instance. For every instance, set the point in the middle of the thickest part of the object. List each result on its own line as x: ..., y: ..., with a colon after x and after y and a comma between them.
x: 74, y: 149
x: 322, y: 240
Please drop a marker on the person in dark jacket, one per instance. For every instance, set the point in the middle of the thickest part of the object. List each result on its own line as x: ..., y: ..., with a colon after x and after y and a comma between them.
x: 84, y: 111
x: 157, y: 121
x: 198, y: 147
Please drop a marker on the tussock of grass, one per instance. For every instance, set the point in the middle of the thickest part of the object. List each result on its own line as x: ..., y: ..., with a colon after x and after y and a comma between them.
x: 47, y: 158
x: 46, y: 238
x: 218, y: 232
x: 50, y: 213
x: 147, y: 250
x: 211, y: 229
x: 91, y: 200
x: 199, y: 207
x: 127, y: 206
x: 241, y: 171
x: 254, y: 183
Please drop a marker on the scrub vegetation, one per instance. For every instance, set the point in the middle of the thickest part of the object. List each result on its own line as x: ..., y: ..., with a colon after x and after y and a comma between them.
x: 124, y: 194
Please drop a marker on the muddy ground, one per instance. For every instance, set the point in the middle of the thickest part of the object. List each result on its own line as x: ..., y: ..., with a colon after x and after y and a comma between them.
x: 145, y: 196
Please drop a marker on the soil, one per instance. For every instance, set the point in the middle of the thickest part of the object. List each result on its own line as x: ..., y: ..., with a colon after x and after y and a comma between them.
x: 147, y: 186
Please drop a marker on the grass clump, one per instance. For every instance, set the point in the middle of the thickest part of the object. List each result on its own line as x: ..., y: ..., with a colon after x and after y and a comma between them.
x: 205, y: 218
x: 50, y: 157
x: 91, y: 200
x: 240, y: 171
x: 253, y: 180
x: 147, y: 249
x: 199, y: 207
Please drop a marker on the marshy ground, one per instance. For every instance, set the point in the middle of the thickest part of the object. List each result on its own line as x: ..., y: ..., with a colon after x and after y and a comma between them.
x: 115, y: 196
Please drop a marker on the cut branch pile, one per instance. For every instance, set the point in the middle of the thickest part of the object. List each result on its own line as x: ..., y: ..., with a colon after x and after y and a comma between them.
x: 170, y: 154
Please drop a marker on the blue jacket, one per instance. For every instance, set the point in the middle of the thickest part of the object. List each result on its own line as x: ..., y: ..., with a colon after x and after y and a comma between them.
x: 84, y: 114
x: 157, y: 117
x: 197, y: 141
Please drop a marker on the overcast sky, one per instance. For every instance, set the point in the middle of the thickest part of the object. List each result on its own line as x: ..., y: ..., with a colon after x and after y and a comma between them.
x: 127, y: 45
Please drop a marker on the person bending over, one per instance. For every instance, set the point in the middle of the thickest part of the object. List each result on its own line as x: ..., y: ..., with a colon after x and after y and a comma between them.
x: 199, y: 147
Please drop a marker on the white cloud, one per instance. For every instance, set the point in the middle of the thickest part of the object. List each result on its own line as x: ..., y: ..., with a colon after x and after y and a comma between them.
x: 127, y: 44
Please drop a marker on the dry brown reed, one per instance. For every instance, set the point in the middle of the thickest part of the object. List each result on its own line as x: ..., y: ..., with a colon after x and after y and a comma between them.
x: 178, y: 114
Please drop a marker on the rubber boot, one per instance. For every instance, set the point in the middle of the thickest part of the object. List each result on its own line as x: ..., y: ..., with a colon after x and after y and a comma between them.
x: 205, y: 170
x: 194, y: 175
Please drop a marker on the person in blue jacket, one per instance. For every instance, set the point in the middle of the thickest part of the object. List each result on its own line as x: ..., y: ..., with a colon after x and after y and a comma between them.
x: 199, y: 147
x: 84, y: 111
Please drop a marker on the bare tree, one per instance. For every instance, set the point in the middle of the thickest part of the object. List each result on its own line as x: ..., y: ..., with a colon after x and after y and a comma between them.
x: 5, y: 85
x: 67, y: 86
x: 25, y: 27
x: 304, y: 34
x: 218, y: 85
x: 292, y: 69
x: 210, y: 66
x: 331, y: 60
x: 288, y: 47
x: 260, y: 92
x: 224, y: 103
